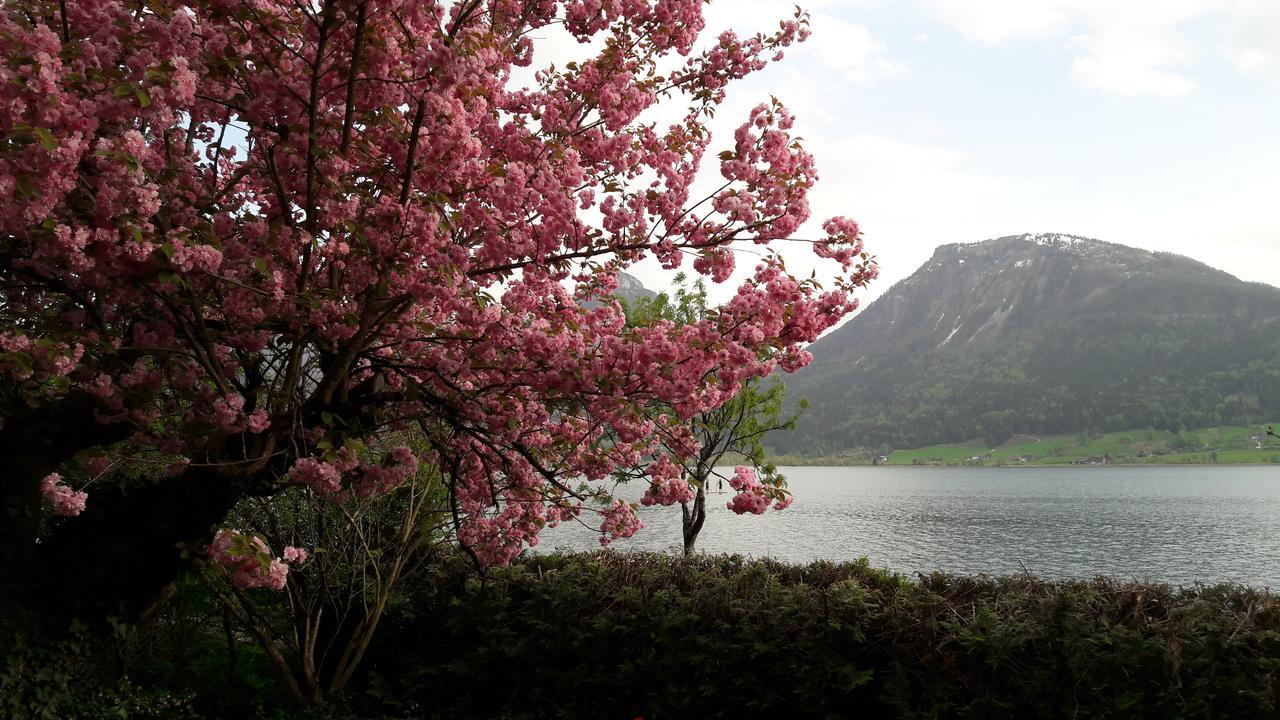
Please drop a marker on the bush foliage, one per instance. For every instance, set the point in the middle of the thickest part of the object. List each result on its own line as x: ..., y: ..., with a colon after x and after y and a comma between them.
x: 620, y: 636
x: 614, y: 635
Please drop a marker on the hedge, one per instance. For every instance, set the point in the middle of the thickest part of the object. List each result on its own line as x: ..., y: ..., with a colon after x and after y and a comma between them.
x: 609, y: 635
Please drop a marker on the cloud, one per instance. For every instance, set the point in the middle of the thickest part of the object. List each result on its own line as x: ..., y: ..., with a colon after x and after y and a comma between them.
x: 1120, y: 47
x: 1124, y: 58
x: 908, y: 197
x: 836, y: 46
x: 993, y: 22
x: 1253, y: 45
x: 851, y: 50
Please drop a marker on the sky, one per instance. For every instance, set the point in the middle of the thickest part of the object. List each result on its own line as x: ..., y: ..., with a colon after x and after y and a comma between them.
x: 1151, y: 123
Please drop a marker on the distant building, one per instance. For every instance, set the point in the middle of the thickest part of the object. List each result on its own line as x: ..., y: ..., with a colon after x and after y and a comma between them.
x: 1097, y: 460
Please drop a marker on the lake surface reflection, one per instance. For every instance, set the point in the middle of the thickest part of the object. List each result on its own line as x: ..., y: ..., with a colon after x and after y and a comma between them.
x: 1167, y: 524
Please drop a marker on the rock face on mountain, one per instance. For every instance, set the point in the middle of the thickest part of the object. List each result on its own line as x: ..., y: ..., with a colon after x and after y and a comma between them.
x: 1042, y: 334
x: 631, y: 289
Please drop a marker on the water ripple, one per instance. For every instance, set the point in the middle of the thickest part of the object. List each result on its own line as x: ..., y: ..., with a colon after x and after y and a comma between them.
x: 1167, y: 524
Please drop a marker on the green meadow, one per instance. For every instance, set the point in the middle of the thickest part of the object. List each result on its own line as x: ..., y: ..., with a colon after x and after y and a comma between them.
x: 1230, y: 444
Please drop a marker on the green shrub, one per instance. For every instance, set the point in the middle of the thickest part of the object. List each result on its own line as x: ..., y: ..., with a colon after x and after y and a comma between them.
x: 609, y: 635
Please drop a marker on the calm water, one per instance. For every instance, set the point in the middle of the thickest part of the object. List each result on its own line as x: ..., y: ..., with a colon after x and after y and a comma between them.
x: 1168, y: 524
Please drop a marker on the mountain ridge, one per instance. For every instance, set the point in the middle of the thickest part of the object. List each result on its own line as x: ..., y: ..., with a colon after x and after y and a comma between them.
x: 1038, y: 333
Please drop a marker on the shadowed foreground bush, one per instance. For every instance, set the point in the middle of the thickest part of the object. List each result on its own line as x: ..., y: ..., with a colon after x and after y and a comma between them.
x: 604, y: 635
x: 619, y: 636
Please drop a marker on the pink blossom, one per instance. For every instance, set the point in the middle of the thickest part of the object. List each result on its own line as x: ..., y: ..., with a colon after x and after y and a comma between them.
x: 293, y: 554
x: 249, y: 562
x: 322, y: 477
x: 65, y: 501
x: 667, y: 487
x: 752, y: 496
x: 620, y: 521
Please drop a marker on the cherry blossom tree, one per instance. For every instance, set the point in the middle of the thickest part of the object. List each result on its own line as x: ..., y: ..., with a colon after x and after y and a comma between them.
x: 242, y: 238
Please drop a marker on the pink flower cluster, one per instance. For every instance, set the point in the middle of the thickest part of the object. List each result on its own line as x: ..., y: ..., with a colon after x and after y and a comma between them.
x: 249, y: 562
x: 620, y: 521
x: 65, y: 501
x: 666, y: 487
x: 343, y: 476
x: 399, y: 465
x: 228, y: 412
x: 754, y: 496
x: 293, y: 554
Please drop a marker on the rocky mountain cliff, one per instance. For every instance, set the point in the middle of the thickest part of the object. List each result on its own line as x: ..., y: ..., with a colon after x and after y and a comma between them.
x: 630, y: 289
x: 1042, y: 334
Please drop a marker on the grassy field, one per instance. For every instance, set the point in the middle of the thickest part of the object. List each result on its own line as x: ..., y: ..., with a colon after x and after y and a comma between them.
x: 1231, y: 444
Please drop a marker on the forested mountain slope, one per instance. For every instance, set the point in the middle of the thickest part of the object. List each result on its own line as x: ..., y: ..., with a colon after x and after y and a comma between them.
x: 1042, y: 334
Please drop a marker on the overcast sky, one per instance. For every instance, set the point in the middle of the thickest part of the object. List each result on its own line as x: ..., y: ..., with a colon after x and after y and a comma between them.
x: 1153, y: 123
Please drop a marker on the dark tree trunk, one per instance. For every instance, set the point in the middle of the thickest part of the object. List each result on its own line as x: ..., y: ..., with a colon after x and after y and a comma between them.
x: 34, y: 441
x: 117, y: 558
x: 694, y: 518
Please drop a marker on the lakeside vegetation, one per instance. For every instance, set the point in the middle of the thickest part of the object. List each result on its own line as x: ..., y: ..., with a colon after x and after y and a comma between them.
x: 719, y: 636
x: 715, y: 637
x: 1235, y: 444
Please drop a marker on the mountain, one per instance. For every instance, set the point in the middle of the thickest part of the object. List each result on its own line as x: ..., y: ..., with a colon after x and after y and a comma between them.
x: 1042, y: 334
x: 631, y: 289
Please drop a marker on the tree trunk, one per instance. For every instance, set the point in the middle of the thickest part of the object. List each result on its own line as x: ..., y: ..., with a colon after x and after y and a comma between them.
x: 34, y: 441
x: 693, y: 519
x: 116, y: 559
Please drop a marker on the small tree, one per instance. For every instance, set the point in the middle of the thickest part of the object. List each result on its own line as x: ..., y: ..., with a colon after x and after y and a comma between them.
x: 735, y: 429
x: 317, y: 631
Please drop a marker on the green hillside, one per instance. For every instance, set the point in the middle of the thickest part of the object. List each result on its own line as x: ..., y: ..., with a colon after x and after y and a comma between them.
x: 1230, y: 444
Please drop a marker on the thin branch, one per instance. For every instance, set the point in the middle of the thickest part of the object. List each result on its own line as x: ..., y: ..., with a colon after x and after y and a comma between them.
x: 348, y: 116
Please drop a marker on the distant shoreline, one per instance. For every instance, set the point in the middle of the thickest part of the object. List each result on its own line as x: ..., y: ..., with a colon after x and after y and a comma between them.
x: 909, y: 466
x: 1220, y: 445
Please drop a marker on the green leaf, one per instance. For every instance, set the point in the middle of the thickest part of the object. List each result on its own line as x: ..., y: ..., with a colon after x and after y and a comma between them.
x: 23, y: 188
x: 143, y: 98
x: 260, y: 265
x: 47, y: 140
x: 23, y: 360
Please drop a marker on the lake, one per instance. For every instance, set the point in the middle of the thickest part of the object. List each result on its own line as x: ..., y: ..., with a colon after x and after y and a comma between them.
x: 1174, y: 524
